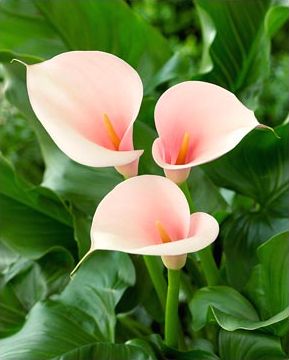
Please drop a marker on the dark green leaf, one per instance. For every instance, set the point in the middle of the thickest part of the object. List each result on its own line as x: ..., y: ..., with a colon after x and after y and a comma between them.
x: 258, y: 169
x: 51, y: 330
x: 107, y: 351
x: 233, y: 58
x: 242, y: 345
x: 33, y: 220
x: 82, y: 315
x: 98, y: 285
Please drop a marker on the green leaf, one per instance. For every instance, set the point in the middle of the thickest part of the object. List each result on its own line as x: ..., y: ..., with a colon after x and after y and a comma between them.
x: 103, y: 276
x: 120, y: 32
x: 242, y: 345
x: 107, y: 351
x: 109, y: 26
x: 233, y: 58
x: 33, y: 220
x: 225, y: 300
x: 21, y: 23
x: 206, y: 196
x: 24, y: 282
x: 51, y: 329
x: 268, y: 287
x: 231, y: 323
x: 82, y: 315
x: 258, y: 169
x: 8, y: 256
x: 12, y: 313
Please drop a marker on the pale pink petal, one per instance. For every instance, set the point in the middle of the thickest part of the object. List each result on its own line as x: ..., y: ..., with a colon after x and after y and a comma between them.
x: 71, y: 93
x: 214, y: 118
x: 125, y: 220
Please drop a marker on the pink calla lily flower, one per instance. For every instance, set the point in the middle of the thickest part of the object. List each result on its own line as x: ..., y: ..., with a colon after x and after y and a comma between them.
x: 88, y: 101
x: 197, y: 122
x: 149, y: 215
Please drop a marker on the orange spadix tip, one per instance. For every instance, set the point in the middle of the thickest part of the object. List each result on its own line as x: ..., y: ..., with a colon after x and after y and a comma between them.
x: 163, y: 233
x: 183, y: 149
x: 114, y: 138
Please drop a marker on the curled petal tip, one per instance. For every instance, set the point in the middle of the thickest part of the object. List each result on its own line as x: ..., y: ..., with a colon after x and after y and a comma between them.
x: 19, y: 61
x: 269, y: 128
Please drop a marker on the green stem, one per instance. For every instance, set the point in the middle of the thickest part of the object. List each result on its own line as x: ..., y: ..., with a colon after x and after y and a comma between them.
x: 172, y: 317
x: 185, y: 189
x: 156, y: 274
x: 208, y: 263
x: 209, y: 266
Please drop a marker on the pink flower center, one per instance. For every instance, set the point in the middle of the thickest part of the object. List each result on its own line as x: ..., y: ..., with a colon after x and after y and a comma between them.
x: 112, y: 135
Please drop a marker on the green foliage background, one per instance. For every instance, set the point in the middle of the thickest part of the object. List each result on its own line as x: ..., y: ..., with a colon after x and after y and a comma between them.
x: 109, y: 310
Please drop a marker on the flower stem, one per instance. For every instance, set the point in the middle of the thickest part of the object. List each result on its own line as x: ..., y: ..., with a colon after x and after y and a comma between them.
x: 209, y: 266
x: 172, y: 317
x: 208, y: 263
x: 155, y: 271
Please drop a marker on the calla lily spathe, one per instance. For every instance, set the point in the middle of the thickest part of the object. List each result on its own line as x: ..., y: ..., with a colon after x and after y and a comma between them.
x: 197, y: 122
x: 88, y: 101
x: 149, y: 215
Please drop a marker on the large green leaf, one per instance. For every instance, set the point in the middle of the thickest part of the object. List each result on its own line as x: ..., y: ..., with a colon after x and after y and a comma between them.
x: 20, y: 22
x: 107, y: 351
x: 258, y: 169
x: 268, y: 287
x: 233, y: 58
x: 23, y: 282
x: 91, y: 25
x: 33, y: 220
x: 108, y: 26
x: 223, y: 298
x: 98, y: 286
x: 242, y: 345
x: 82, y: 315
